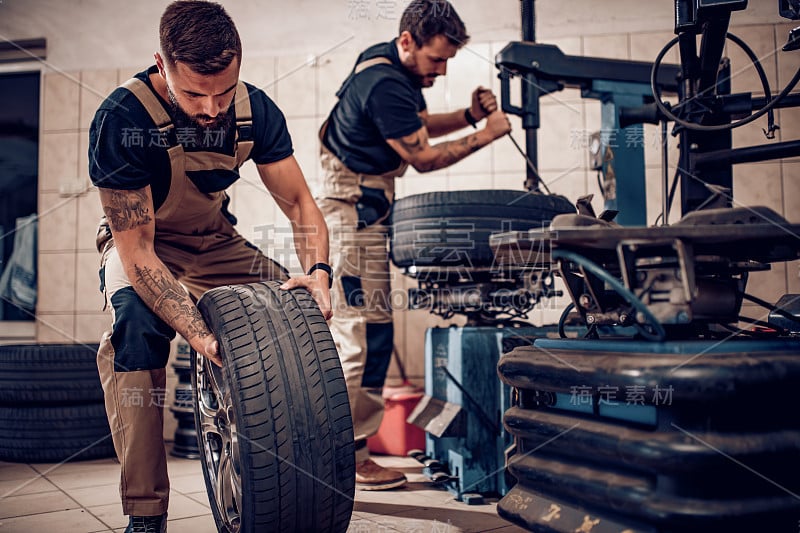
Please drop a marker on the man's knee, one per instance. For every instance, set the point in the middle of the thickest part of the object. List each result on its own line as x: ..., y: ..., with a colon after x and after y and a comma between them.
x: 140, y: 338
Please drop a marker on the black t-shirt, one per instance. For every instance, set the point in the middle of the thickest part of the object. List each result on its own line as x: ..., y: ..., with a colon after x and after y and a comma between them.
x: 126, y: 152
x: 381, y: 102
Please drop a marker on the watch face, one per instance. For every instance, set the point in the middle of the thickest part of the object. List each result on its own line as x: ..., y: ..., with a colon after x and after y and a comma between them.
x: 595, y: 151
x: 594, y: 146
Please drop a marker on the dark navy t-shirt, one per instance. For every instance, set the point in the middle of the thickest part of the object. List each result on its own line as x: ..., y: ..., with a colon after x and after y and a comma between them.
x: 381, y: 102
x: 126, y: 152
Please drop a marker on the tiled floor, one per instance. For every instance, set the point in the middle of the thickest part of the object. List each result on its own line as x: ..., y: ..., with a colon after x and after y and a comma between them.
x: 83, y: 497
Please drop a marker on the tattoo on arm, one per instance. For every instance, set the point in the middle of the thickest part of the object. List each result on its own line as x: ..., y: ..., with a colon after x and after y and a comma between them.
x: 452, y: 152
x: 471, y: 143
x: 414, y: 142
x: 127, y: 210
x: 162, y: 292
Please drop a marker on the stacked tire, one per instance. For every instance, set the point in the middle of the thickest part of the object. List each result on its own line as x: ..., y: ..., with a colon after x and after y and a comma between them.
x: 185, y: 443
x: 452, y: 228
x: 51, y: 404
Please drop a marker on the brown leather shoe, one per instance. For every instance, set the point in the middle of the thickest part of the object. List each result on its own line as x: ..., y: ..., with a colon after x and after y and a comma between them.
x: 372, y: 476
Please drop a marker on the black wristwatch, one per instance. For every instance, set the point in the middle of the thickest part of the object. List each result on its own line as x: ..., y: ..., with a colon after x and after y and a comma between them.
x: 322, y: 266
x: 470, y: 119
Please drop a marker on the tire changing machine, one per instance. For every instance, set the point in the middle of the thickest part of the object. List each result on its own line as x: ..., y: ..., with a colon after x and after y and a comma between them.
x: 466, y: 444
x: 461, y: 412
x: 674, y: 418
x: 661, y: 419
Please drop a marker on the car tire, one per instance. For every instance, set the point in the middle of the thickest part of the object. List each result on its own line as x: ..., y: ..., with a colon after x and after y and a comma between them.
x: 452, y: 228
x: 274, y: 426
x: 49, y: 374
x: 54, y: 434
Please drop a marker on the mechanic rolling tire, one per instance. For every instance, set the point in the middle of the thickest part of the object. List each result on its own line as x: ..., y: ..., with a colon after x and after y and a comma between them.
x: 49, y: 374
x: 54, y: 434
x: 274, y: 423
x: 452, y: 228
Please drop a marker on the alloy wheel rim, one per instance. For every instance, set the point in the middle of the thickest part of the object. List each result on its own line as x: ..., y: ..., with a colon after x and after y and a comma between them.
x: 219, y: 440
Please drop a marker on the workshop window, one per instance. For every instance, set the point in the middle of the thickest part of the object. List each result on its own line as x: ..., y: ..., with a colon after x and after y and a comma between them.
x: 19, y: 169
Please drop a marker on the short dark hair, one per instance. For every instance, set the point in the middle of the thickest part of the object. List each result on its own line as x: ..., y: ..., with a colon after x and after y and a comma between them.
x: 200, y: 34
x: 425, y: 19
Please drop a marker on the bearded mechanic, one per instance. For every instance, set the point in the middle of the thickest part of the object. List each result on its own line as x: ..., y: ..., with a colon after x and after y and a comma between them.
x: 379, y: 126
x: 163, y: 148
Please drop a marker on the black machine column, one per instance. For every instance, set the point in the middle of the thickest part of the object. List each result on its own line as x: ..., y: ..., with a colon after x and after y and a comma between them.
x: 530, y: 93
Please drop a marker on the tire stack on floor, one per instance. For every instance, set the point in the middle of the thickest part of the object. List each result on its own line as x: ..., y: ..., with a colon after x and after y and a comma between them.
x: 185, y: 444
x: 51, y: 404
x: 683, y: 436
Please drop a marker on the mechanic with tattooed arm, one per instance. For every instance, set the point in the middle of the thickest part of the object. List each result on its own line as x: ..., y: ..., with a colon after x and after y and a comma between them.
x: 162, y: 150
x: 380, y: 126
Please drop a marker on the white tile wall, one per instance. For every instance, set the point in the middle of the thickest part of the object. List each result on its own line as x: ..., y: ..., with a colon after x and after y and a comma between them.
x: 57, y: 222
x: 56, y: 279
x: 59, y: 159
x: 791, y: 191
x: 260, y: 72
x: 94, y: 87
x: 761, y: 38
x: 758, y: 184
x: 88, y: 298
x: 55, y: 327
x: 89, y: 327
x: 297, y: 89
x: 332, y: 69
x: 61, y: 101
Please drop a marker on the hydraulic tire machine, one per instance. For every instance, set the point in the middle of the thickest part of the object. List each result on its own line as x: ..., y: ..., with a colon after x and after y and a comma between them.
x: 673, y: 412
x: 653, y: 405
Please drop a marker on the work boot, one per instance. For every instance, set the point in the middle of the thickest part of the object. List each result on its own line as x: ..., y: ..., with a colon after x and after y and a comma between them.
x: 147, y: 524
x: 372, y: 476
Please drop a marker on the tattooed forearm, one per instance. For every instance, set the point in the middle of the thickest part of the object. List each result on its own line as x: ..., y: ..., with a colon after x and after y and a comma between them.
x: 416, y: 150
x: 126, y: 210
x: 448, y: 153
x: 414, y: 142
x: 196, y: 325
x: 471, y: 143
x: 167, y: 298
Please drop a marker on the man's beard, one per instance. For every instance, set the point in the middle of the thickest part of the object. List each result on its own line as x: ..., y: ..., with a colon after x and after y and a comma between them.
x: 422, y: 80
x: 426, y: 81
x: 185, y: 122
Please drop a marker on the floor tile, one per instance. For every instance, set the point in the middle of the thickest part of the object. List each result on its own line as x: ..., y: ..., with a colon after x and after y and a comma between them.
x: 187, y: 484
x: 92, y: 478
x: 30, y: 485
x: 418, y: 507
x: 80, y: 467
x: 362, y: 525
x: 94, y: 496
x: 422, y: 520
x: 72, y: 521
x: 181, y: 506
x: 197, y: 524
x: 41, y: 502
x: 12, y: 471
x: 183, y: 467
x: 199, y: 497
x: 110, y: 514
